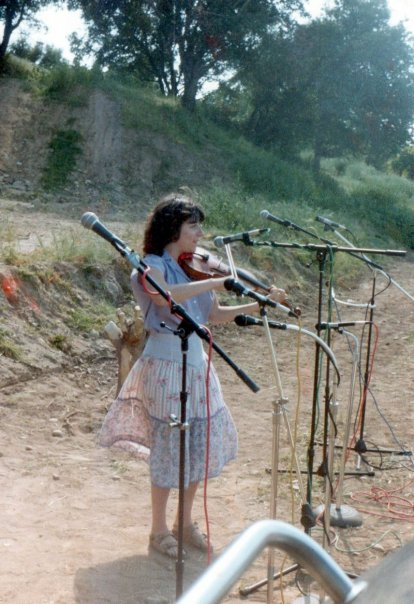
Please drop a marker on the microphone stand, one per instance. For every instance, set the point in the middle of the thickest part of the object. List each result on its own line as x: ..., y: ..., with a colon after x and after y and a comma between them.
x: 279, y: 409
x: 360, y: 446
x: 321, y: 253
x: 308, y: 517
x: 336, y: 515
x: 186, y: 327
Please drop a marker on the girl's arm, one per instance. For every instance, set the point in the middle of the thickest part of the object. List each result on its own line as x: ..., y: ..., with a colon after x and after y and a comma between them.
x: 182, y: 291
x: 225, y: 314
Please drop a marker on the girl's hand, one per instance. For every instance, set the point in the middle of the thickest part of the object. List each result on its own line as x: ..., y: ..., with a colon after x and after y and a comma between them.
x: 277, y: 294
x: 218, y: 283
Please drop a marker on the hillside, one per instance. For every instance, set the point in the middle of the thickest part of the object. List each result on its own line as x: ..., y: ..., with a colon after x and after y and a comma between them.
x: 118, y: 165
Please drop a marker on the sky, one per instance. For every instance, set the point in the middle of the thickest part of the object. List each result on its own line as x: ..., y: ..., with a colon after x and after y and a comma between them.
x: 61, y: 23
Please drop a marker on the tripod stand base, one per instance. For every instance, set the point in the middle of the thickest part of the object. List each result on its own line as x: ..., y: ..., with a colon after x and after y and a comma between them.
x: 343, y: 516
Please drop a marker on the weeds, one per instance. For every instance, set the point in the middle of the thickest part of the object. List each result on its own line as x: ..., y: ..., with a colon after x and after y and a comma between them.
x: 60, y: 341
x: 64, y: 149
x: 92, y: 317
x: 7, y: 347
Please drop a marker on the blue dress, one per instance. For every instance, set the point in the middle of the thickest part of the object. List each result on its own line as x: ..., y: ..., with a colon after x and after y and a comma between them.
x: 139, y: 419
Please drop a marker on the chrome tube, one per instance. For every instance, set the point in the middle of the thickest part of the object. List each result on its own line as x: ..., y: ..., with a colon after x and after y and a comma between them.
x: 215, y: 583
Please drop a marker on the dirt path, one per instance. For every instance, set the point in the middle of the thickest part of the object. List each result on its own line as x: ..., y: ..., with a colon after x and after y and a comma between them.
x: 74, y: 518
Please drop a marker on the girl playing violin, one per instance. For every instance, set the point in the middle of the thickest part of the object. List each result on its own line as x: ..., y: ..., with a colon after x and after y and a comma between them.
x: 139, y: 419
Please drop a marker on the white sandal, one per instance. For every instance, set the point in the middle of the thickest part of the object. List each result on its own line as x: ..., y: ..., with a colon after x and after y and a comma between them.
x: 193, y: 536
x: 165, y: 543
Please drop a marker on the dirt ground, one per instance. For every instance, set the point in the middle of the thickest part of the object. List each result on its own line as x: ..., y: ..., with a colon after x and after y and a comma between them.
x: 74, y: 517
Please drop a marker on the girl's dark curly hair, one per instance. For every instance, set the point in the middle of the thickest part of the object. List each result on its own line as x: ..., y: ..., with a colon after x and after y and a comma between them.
x: 164, y: 223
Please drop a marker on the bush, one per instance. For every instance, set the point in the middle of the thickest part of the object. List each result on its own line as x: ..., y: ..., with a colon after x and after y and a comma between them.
x: 403, y: 164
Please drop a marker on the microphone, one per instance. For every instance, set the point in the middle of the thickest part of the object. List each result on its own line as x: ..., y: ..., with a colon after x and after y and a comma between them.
x: 269, y: 216
x: 245, y: 237
x: 90, y: 221
x: 330, y: 224
x: 235, y: 286
x: 340, y: 325
x: 246, y: 320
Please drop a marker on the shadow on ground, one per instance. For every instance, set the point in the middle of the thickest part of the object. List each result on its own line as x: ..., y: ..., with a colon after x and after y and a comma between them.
x: 136, y: 579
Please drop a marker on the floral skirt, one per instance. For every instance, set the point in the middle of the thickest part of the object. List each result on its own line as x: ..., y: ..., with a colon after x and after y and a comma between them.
x: 139, y: 420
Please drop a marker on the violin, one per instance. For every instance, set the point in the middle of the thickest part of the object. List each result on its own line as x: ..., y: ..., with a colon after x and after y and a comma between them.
x: 203, y: 265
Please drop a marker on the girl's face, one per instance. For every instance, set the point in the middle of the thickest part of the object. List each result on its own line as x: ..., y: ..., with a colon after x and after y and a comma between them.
x: 190, y: 234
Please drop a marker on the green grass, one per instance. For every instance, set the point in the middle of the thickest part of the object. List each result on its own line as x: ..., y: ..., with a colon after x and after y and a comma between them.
x: 64, y: 151
x: 92, y: 317
x: 7, y: 347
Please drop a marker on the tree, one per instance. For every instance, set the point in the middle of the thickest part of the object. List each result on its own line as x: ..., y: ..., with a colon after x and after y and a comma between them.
x: 341, y: 84
x: 39, y: 54
x: 12, y: 14
x: 178, y: 43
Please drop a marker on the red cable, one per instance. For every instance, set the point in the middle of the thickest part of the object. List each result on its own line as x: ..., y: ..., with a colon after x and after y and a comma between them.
x: 394, y: 503
x: 366, y: 385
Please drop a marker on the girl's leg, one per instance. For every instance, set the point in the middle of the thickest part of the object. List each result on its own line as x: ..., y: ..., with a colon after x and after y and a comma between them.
x: 192, y: 534
x: 161, y: 538
x: 189, y: 496
x: 159, y: 499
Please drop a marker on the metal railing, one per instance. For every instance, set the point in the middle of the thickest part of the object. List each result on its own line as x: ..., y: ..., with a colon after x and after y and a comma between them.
x: 220, y: 577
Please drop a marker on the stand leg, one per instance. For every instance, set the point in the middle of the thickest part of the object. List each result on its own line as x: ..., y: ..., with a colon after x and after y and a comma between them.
x: 273, y: 496
x: 183, y: 426
x: 345, y: 516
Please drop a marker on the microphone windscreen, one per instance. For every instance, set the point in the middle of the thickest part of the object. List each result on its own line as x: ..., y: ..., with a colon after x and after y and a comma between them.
x: 246, y: 320
x: 264, y: 213
x: 229, y: 284
x: 218, y: 241
x: 235, y: 286
x: 241, y: 320
x: 89, y: 219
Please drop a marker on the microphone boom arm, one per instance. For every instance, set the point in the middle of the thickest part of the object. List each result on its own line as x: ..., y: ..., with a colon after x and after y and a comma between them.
x: 334, y: 248
x: 288, y: 326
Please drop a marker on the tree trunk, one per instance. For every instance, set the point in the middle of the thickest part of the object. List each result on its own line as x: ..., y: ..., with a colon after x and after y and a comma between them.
x: 188, y: 100
x: 7, y: 32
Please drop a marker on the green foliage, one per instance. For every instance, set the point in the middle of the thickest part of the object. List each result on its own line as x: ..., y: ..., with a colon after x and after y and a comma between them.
x: 64, y: 149
x: 17, y: 67
x: 42, y: 55
x: 378, y: 202
x: 179, y: 43
x: 386, y: 212
x: 7, y: 347
x: 403, y: 163
x: 68, y: 84
x: 12, y: 15
x: 60, y: 341
x: 73, y: 246
x: 265, y: 172
x: 340, y: 84
x: 90, y: 317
